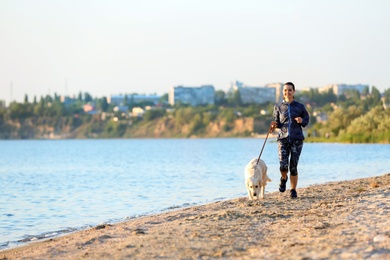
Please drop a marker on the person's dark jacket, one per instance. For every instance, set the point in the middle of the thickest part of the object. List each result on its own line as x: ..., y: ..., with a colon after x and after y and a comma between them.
x: 284, y: 114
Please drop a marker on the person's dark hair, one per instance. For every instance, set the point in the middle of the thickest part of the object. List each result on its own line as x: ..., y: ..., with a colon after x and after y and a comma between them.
x: 290, y: 84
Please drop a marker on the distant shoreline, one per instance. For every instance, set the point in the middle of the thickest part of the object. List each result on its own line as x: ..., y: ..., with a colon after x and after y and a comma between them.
x: 258, y: 136
x: 343, y: 220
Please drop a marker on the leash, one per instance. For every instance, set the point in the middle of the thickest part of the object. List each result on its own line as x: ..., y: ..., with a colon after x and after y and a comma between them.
x: 269, y: 131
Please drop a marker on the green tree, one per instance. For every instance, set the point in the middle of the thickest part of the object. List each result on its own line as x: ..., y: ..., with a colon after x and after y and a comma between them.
x: 163, y: 99
x: 376, y: 96
x: 313, y: 96
x: 114, y: 129
x: 386, y: 95
x: 228, y: 115
x: 220, y: 98
x: 235, y: 99
x: 208, y: 117
x: 372, y: 127
x: 366, y: 91
x: 153, y: 114
x: 184, y: 115
x: 56, y: 97
x: 20, y: 110
x: 87, y: 97
x: 58, y: 109
x: 40, y: 108
x: 341, y: 118
x: 48, y: 99
x: 103, y: 104
x: 196, y: 124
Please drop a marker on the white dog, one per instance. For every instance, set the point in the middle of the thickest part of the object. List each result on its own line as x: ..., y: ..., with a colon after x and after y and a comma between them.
x: 256, y: 178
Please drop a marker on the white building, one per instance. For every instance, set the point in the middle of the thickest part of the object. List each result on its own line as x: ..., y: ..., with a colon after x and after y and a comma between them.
x: 194, y: 96
x: 255, y: 95
x: 137, y: 112
x: 340, y: 89
x: 121, y: 108
x: 278, y: 86
x: 134, y: 98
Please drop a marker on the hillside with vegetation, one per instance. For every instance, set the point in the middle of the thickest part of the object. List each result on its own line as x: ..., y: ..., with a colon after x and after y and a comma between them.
x: 351, y: 118
x: 354, y: 117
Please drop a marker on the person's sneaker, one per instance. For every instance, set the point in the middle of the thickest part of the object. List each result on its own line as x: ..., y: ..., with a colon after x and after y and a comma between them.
x: 293, y: 193
x: 282, y: 184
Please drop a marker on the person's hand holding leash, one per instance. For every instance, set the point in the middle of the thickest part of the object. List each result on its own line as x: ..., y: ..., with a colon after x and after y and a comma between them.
x: 273, y: 126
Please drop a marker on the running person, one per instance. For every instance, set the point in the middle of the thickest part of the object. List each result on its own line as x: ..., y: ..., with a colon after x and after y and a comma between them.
x: 289, y: 116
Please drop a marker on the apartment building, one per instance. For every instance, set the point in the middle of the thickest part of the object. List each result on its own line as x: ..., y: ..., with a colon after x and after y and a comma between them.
x: 194, y: 96
x: 256, y: 95
x: 340, y: 89
x: 133, y: 98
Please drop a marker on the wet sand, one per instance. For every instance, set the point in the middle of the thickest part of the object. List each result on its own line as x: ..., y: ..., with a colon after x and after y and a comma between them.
x: 337, y: 220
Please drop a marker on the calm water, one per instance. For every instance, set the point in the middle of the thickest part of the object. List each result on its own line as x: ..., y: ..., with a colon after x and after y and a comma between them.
x: 54, y: 187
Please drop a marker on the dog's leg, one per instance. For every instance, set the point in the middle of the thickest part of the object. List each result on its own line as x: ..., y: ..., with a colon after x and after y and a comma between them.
x: 250, y: 197
x: 262, y: 191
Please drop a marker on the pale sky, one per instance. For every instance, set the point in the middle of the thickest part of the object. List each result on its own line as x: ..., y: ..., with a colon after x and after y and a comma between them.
x: 147, y: 46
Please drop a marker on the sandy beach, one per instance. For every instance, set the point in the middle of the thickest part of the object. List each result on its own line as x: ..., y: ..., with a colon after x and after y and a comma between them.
x: 336, y: 220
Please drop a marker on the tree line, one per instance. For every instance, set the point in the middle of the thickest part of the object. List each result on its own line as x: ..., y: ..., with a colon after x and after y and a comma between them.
x: 352, y: 117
